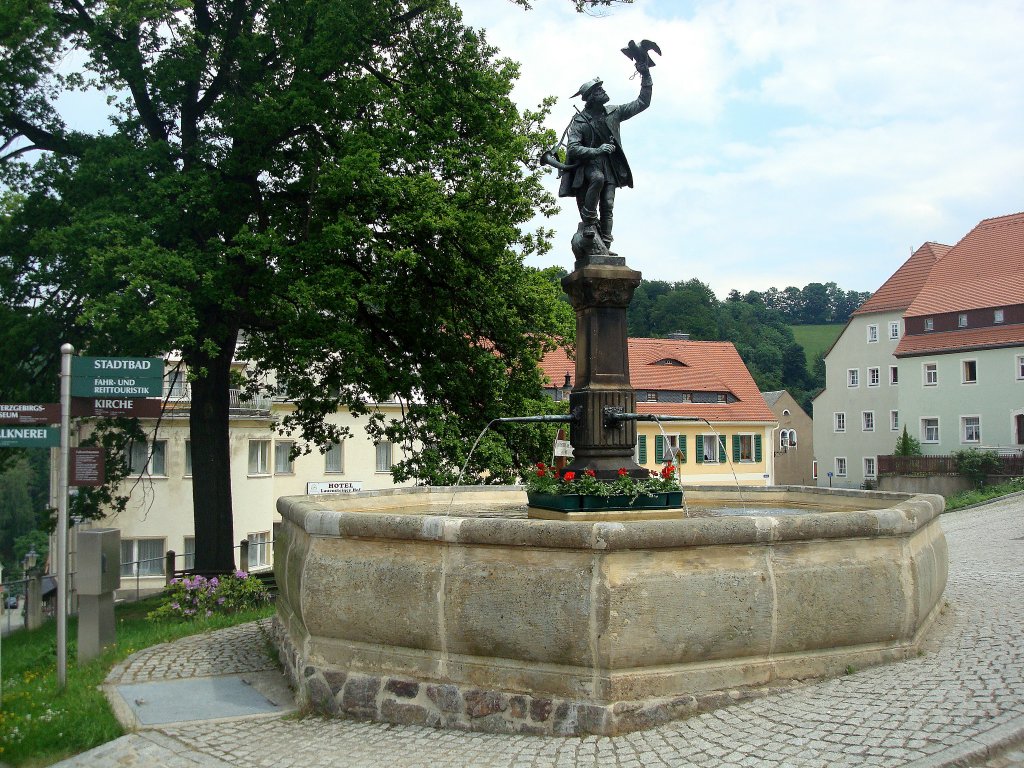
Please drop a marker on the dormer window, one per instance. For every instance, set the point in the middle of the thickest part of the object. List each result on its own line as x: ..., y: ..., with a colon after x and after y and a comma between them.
x: 961, y: 320
x: 929, y: 324
x: 997, y: 316
x: 652, y: 396
x: 671, y: 361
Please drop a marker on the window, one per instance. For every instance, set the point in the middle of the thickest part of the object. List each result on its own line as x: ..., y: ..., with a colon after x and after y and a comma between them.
x: 383, y: 457
x: 874, y: 377
x: 970, y: 429
x: 872, y: 333
x: 334, y: 459
x: 259, y: 457
x: 931, y: 374
x: 970, y: 368
x: 869, y: 466
x: 894, y: 374
x: 667, y: 448
x: 853, y: 377
x: 894, y: 330
x: 792, y: 437
x: 784, y: 439
x: 190, y: 553
x: 785, y: 411
x: 141, y: 462
x: 746, y: 448
x: 929, y: 324
x: 175, y: 385
x: 839, y: 422
x: 142, y: 557
x: 894, y: 421
x: 283, y: 464
x: 868, y: 421
x: 997, y: 316
x: 840, y: 466
x: 652, y: 397
x: 258, y: 549
x: 710, y: 449
x: 814, y: 470
x: 961, y: 320
x: 1020, y: 367
x: 188, y: 458
x: 930, y: 430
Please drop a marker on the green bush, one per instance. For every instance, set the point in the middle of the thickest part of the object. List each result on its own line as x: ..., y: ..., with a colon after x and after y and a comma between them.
x: 200, y: 598
x: 977, y: 465
x: 907, y: 445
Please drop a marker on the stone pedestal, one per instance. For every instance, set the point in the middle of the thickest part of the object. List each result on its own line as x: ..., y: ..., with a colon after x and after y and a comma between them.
x: 600, y: 294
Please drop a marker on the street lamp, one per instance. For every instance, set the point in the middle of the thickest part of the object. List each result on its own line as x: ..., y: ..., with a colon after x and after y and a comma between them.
x: 29, y: 562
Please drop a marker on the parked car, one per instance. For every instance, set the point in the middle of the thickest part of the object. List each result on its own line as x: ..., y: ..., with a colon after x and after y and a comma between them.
x: 10, y: 601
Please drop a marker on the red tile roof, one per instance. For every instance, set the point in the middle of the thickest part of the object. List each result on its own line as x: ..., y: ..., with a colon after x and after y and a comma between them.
x: 707, y: 366
x: 961, y: 340
x: 898, y: 292
x: 985, y: 269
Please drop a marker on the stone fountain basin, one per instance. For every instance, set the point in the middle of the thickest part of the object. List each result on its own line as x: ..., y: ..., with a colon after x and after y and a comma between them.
x: 403, y: 606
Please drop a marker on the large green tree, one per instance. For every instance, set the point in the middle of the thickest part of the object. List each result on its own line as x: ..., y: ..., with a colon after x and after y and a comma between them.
x: 332, y: 190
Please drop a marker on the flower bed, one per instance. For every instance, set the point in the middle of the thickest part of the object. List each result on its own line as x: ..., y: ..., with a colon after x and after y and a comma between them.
x: 547, y: 488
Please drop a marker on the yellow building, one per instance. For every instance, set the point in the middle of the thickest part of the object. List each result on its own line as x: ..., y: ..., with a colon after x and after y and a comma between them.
x: 730, y: 438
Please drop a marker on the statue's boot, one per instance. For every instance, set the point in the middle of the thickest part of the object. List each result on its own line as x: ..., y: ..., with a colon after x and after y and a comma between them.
x: 589, y: 222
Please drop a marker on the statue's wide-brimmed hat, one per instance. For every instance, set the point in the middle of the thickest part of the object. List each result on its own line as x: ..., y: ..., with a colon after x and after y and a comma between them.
x: 587, y: 86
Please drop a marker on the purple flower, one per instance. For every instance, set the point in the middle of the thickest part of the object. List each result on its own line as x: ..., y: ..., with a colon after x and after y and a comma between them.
x: 209, y: 614
x: 175, y: 606
x: 220, y: 601
x: 241, y: 575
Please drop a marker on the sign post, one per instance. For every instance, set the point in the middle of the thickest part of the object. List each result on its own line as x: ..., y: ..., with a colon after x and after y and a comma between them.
x: 66, y: 352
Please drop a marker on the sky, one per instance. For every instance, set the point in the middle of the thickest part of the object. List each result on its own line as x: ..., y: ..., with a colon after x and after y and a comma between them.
x: 788, y: 141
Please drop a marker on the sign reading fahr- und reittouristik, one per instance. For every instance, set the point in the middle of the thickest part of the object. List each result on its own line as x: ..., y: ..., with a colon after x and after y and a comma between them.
x: 117, y: 376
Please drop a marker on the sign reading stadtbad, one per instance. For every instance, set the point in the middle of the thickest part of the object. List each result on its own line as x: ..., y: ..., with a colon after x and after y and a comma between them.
x: 117, y: 376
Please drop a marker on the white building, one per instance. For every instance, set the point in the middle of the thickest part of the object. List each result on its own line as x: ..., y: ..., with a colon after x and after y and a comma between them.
x: 938, y: 348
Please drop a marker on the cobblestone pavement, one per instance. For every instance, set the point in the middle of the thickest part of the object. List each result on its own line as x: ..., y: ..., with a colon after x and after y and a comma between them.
x: 960, y: 703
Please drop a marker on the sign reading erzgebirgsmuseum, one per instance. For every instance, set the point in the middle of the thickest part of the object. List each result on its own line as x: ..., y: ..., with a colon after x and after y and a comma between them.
x: 29, y: 437
x: 29, y: 413
x: 117, y: 376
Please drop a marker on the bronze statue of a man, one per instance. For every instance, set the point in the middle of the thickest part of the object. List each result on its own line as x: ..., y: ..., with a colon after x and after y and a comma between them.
x: 597, y: 165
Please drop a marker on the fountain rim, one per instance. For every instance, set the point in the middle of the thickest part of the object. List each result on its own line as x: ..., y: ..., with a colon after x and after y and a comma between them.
x: 320, y: 516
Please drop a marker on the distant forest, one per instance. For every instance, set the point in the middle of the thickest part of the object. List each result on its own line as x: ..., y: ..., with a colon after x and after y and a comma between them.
x: 756, y: 322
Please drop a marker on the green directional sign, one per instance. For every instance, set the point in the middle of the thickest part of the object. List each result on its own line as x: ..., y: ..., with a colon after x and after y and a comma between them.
x: 117, y: 376
x: 29, y: 437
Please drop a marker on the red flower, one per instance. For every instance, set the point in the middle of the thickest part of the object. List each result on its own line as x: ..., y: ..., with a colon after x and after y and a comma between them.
x: 622, y: 472
x: 591, y: 473
x: 540, y: 473
x: 540, y: 465
x: 570, y: 476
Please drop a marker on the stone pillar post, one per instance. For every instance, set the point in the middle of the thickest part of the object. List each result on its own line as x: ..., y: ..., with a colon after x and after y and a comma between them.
x: 600, y: 294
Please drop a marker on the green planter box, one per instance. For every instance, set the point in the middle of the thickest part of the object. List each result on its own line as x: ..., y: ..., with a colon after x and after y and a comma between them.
x: 575, y: 502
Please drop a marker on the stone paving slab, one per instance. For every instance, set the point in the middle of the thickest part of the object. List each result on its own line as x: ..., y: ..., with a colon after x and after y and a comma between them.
x: 960, y: 703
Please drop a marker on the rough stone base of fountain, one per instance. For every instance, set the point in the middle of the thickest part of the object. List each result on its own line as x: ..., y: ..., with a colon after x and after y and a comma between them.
x: 408, y: 606
x: 404, y: 701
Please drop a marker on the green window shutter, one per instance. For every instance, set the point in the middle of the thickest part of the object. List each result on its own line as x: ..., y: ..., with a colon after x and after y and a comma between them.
x: 659, y: 448
x: 735, y: 449
x: 682, y: 449
x: 722, y: 455
x: 642, y: 451
x: 757, y: 447
x: 699, y: 448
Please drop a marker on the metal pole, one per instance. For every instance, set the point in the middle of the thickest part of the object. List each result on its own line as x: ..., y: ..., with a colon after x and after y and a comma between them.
x: 66, y: 351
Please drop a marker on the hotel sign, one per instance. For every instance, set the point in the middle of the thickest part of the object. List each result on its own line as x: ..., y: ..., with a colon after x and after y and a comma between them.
x: 337, y: 486
x: 117, y: 377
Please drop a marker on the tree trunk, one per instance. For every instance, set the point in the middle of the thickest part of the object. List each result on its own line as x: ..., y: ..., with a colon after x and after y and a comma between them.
x: 211, y: 461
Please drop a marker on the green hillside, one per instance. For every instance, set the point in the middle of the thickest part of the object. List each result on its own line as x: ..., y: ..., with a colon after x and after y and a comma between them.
x: 816, y: 338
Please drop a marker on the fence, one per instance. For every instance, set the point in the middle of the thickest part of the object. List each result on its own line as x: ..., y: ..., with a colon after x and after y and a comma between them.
x: 1012, y: 466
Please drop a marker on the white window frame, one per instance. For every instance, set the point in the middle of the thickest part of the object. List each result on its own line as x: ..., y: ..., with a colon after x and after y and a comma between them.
x: 259, y: 458
x: 894, y: 330
x: 188, y: 560
x: 872, y: 334
x: 188, y: 458
x: 1020, y: 367
x: 926, y: 426
x: 383, y: 453
x: 867, y: 421
x: 894, y: 421
x: 894, y: 375
x: 154, y: 565
x: 747, y: 436
x: 998, y: 316
x: 840, y: 466
x: 853, y: 377
x: 930, y: 374
x: 870, y: 466
x: 929, y: 323
x: 964, y: 364
x: 711, y: 456
x: 964, y: 429
x: 259, y: 547
x: 141, y: 462
x: 283, y: 464
x: 784, y: 439
x: 874, y: 377
x: 961, y: 320
x: 669, y: 448
x: 334, y: 459
x: 814, y: 469
x: 839, y: 421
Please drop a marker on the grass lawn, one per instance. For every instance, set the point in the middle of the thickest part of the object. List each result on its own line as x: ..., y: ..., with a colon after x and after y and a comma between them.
x: 985, y: 493
x: 38, y: 724
x: 815, y: 339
